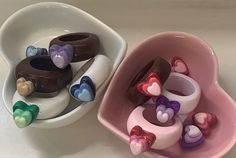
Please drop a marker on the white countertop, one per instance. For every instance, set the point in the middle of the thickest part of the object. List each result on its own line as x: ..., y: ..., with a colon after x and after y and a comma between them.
x: 135, y: 20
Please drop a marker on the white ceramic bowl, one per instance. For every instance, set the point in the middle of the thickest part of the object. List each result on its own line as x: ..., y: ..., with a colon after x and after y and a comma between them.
x: 36, y: 25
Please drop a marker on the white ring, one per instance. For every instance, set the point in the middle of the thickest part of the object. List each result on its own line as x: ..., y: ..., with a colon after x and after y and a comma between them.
x: 48, y: 107
x: 97, y: 69
x: 186, y: 85
x: 165, y: 136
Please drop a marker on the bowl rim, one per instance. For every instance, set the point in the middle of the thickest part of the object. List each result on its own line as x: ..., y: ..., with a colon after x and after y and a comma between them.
x: 214, y: 85
x: 55, y: 122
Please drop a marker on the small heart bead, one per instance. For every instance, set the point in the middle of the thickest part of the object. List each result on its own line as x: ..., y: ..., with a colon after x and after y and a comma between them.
x: 22, y: 118
x: 24, y: 114
x: 32, y: 51
x: 178, y: 65
x: 138, y: 146
x: 140, y: 140
x: 84, y: 91
x: 24, y: 87
x: 166, y: 110
x: 151, y: 86
x: 61, y: 55
x: 162, y: 116
x: 205, y: 121
x: 192, y: 137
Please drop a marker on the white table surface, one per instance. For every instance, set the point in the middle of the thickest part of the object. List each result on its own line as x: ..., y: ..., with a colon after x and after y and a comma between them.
x: 212, y: 20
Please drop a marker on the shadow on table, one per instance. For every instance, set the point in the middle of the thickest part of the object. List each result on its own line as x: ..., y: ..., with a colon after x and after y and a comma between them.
x: 74, y: 139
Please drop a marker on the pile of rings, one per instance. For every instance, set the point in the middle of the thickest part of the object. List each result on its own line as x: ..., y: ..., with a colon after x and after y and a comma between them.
x: 165, y: 97
x: 47, y: 79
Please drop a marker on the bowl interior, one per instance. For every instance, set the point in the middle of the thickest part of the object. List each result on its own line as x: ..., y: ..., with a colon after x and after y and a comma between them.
x: 38, y: 24
x: 202, y: 63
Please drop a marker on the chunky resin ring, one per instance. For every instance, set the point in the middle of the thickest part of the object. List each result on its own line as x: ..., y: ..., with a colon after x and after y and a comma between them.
x: 150, y: 136
x: 39, y: 74
x: 73, y: 47
x: 33, y: 51
x: 46, y: 107
x: 148, y: 82
x: 183, y: 89
x: 90, y: 77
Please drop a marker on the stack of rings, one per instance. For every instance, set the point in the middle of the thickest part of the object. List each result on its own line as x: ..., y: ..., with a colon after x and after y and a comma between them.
x: 43, y: 77
x: 175, y: 94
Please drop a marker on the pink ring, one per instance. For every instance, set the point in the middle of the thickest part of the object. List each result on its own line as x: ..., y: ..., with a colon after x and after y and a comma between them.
x: 184, y: 85
x: 165, y: 136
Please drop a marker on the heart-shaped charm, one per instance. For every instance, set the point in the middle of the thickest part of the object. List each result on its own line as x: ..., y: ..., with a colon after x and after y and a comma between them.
x: 138, y: 146
x: 32, y: 51
x: 178, y: 65
x: 85, y: 91
x: 205, y: 121
x: 24, y: 87
x: 140, y: 140
x: 192, y: 137
x: 192, y: 131
x: 61, y: 55
x: 165, y: 109
x: 24, y: 114
x: 162, y: 116
x: 150, y: 115
x: 151, y: 86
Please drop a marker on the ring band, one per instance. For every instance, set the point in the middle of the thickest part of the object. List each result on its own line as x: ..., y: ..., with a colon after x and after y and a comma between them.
x: 90, y: 77
x: 155, y: 73
x: 183, y: 89
x: 73, y: 47
x: 165, y: 136
x: 39, y: 74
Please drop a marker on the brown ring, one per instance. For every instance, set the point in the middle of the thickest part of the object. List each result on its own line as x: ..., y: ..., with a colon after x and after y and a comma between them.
x: 159, y: 66
x: 85, y: 45
x: 45, y: 76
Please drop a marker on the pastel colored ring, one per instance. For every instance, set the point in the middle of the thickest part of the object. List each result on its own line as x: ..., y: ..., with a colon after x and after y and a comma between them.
x: 165, y: 136
x: 73, y: 47
x: 48, y: 107
x: 39, y: 74
x: 90, y: 77
x: 178, y: 84
x: 148, y: 81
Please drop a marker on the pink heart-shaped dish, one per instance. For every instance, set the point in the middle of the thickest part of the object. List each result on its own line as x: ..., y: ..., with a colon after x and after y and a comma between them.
x: 203, y: 67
